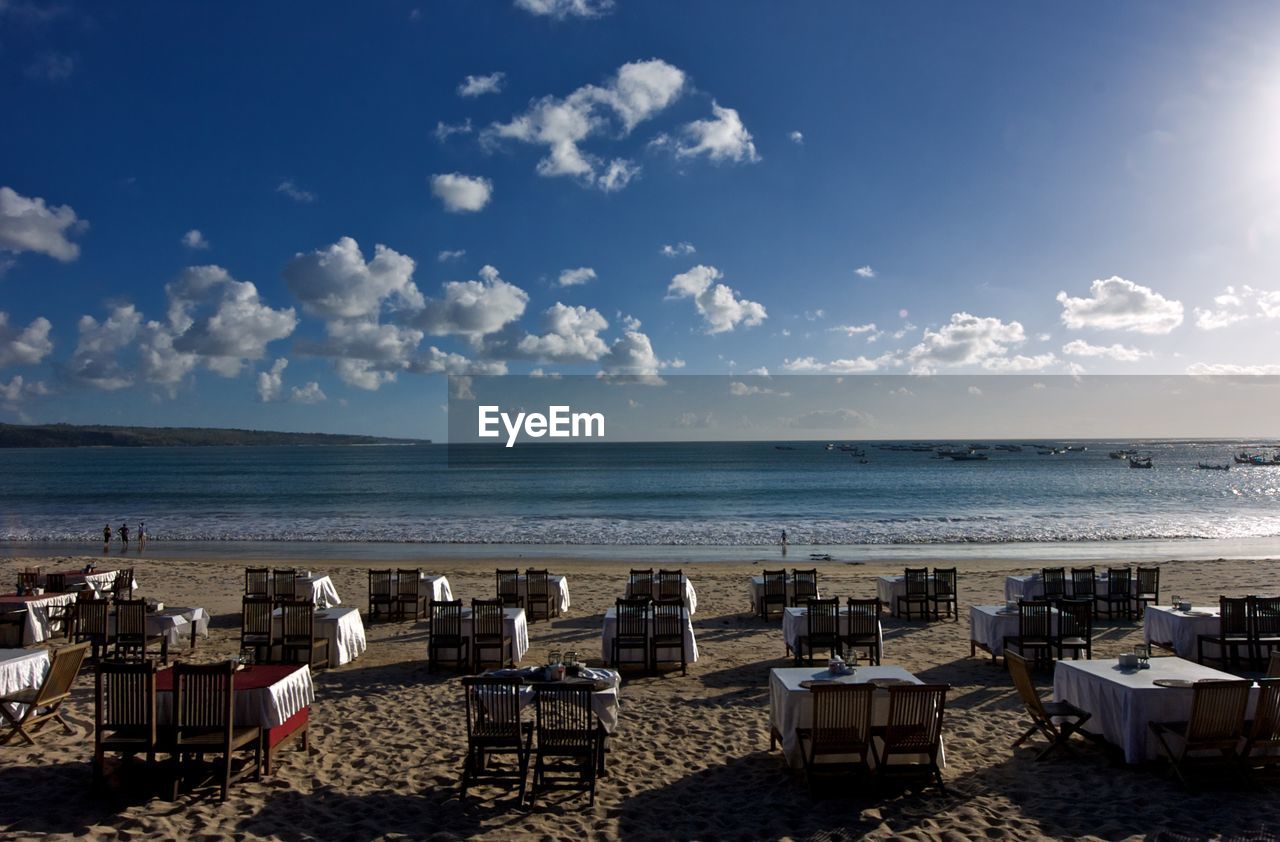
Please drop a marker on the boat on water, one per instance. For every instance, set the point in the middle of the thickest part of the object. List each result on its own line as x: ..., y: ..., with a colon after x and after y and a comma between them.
x: 1120, y: 454
x: 1205, y: 466
x: 1076, y: 448
x: 1139, y: 461
x: 1009, y: 448
x: 969, y: 457
x: 1256, y: 459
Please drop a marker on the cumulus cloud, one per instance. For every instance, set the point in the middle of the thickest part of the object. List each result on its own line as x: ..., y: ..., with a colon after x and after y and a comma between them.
x: 435, y: 361
x: 856, y: 365
x: 29, y: 224
x: 474, y: 86
x: 222, y: 320
x: 857, y: 330
x: 721, y: 138
x: 572, y: 334
x: 444, y: 130
x: 719, y: 305
x: 561, y: 9
x: 447, y: 255
x: 865, y: 272
x: 363, y: 374
x: 576, y: 277
x: 308, y: 394
x: 194, y: 240
x: 1020, y: 363
x: 95, y: 361
x: 1233, y: 370
x: 473, y: 308
x: 293, y: 191
x: 1120, y: 304
x: 1238, y: 305
x: 679, y: 249
x: 337, y: 282
x: 462, y: 193
x: 27, y: 346
x: 966, y: 340
x: 631, y: 357
x: 796, y: 137
x: 637, y: 92
x: 1118, y: 352
x: 18, y: 390
x: 271, y: 381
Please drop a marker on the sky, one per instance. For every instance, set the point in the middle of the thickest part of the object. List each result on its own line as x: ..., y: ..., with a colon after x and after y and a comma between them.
x: 304, y: 216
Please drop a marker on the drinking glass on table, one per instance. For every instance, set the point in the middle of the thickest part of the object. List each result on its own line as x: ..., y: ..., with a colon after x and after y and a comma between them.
x: 1177, y: 600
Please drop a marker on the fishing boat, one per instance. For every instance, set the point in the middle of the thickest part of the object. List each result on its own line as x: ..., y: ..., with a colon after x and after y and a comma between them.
x: 971, y: 456
x: 1204, y: 466
x: 1076, y: 448
x: 1120, y: 454
x: 1139, y: 461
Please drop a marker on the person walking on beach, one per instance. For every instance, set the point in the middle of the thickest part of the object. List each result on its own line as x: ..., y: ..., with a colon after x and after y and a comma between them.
x: 784, y: 542
x: 106, y: 537
x: 142, y: 534
x: 124, y: 536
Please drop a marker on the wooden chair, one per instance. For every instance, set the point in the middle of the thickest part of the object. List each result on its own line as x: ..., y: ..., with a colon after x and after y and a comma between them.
x: 298, y: 641
x: 1119, y: 595
x: 914, y: 728
x: 1233, y: 630
x: 1146, y: 590
x: 257, y: 582
x: 1273, y: 666
x: 445, y: 621
x: 1075, y: 629
x: 1053, y: 583
x: 841, y: 728
x: 91, y: 624
x: 132, y: 642
x: 489, y: 631
x: 55, y: 583
x: 632, y: 629
x: 772, y: 593
x: 40, y: 704
x: 122, y: 585
x: 381, y: 598
x: 495, y: 728
x: 864, y: 628
x: 204, y: 720
x: 1084, y: 584
x: 1071, y: 718
x: 640, y: 584
x: 670, y: 585
x: 668, y: 632
x: 408, y: 593
x: 256, y: 627
x: 284, y: 584
x: 509, y: 588
x: 1262, y: 741
x: 124, y: 714
x: 29, y: 580
x: 568, y: 740
x: 1264, y: 618
x: 543, y: 603
x: 944, y: 593
x: 1216, y: 726
x: 916, y: 582
x: 822, y: 629
x: 804, y: 585
x: 1035, y: 625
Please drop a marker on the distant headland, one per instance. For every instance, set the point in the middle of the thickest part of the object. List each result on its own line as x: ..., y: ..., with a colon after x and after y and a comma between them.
x: 74, y: 435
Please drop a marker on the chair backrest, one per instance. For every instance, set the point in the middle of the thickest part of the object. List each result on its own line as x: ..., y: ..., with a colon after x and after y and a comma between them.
x: 28, y: 580
x: 824, y: 617
x: 407, y: 582
x: 1119, y: 581
x: 1034, y: 618
x: 446, y: 619
x: 564, y: 713
x: 864, y: 617
x: 670, y: 584
x: 805, y: 583
x: 255, y: 616
x: 1075, y: 619
x: 917, y: 580
x: 1266, y: 717
x: 493, y: 705
x: 775, y: 583
x: 633, y: 617
x: 380, y: 583
x: 204, y: 696
x: 125, y: 696
x: 538, y: 582
x: 486, y: 618
x: 668, y: 619
x: 915, y: 716
x: 842, y: 714
x: 1273, y: 664
x: 1053, y: 581
x: 944, y: 581
x: 257, y: 581
x: 91, y: 617
x: 1265, y: 614
x: 641, y: 583
x: 297, y: 621
x: 1234, y: 613
x: 55, y: 583
x: 131, y: 619
x: 1026, y: 687
x: 62, y: 673
x: 1148, y: 583
x: 285, y: 583
x: 1084, y: 582
x: 508, y: 585
x: 1217, y: 710
x: 122, y: 586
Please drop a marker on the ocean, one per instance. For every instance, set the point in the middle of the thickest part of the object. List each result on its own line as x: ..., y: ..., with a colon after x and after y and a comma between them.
x: 713, y: 499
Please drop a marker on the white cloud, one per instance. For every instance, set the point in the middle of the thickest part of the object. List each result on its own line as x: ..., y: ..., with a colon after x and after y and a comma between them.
x: 308, y: 394
x: 194, y: 240
x: 293, y: 191
x: 965, y: 340
x: 1118, y: 352
x: 446, y: 255
x: 631, y: 357
x: 1020, y: 363
x: 390, y: 347
x: 462, y: 193
x: 762, y: 371
x: 444, y: 130
x: 28, y: 224
x: 158, y: 362
x: 865, y: 272
x: 796, y: 137
x: 975, y: 391
x: 271, y: 382
x: 719, y: 305
x: 681, y: 248
x: 857, y: 330
x: 18, y: 389
x: 857, y: 365
x: 223, y: 320
x: 723, y: 138
x: 636, y: 93
x: 363, y: 374
x: 572, y: 335
x: 1119, y: 304
x: 1231, y: 369
x: 1237, y: 305
x: 561, y: 9
x: 94, y: 361
x: 474, y: 86
x: 575, y: 277
x: 473, y: 308
x: 27, y: 346
x: 742, y: 390
x: 435, y: 361
x: 336, y: 282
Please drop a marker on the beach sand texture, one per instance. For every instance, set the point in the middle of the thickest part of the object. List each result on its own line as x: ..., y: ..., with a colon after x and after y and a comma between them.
x: 690, y: 759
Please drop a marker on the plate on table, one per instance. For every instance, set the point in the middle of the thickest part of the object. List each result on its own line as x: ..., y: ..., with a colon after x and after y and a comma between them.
x: 817, y: 682
x: 888, y: 681
x: 1197, y: 613
x: 1005, y: 612
x: 1173, y: 682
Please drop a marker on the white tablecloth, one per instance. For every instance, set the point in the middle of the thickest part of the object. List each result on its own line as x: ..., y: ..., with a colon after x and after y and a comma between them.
x: 756, y: 589
x: 603, y: 702
x: 795, y: 624
x: 1028, y: 587
x: 318, y: 589
x: 516, y: 626
x: 36, y: 625
x: 345, y: 631
x: 791, y: 706
x: 557, y: 585
x: 1178, y: 631
x: 267, y: 707
x: 889, y: 588
x: 988, y: 626
x: 610, y: 629
x: 1124, y: 702
x: 22, y: 669
x: 690, y: 596
x: 433, y: 588
x: 173, y: 623
x: 99, y: 581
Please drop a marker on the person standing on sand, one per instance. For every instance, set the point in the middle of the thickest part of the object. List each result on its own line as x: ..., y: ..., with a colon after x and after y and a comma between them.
x: 784, y: 542
x: 106, y: 537
x: 142, y: 534
x: 124, y: 536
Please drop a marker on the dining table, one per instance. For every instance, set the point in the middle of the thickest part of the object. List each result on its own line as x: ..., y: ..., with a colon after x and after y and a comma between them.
x: 1171, y: 628
x: 755, y: 590
x: 795, y: 624
x: 609, y: 630
x: 317, y: 588
x: 989, y: 625
x: 38, y: 616
x: 515, y: 624
x: 22, y: 669
x: 557, y: 587
x: 689, y: 595
x: 1028, y: 586
x: 889, y: 588
x: 341, y: 626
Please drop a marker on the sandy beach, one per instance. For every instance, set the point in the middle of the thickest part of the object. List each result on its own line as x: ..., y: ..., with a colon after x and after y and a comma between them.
x: 690, y: 759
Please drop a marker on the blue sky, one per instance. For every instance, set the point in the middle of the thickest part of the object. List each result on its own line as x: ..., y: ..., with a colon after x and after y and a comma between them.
x: 380, y: 193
